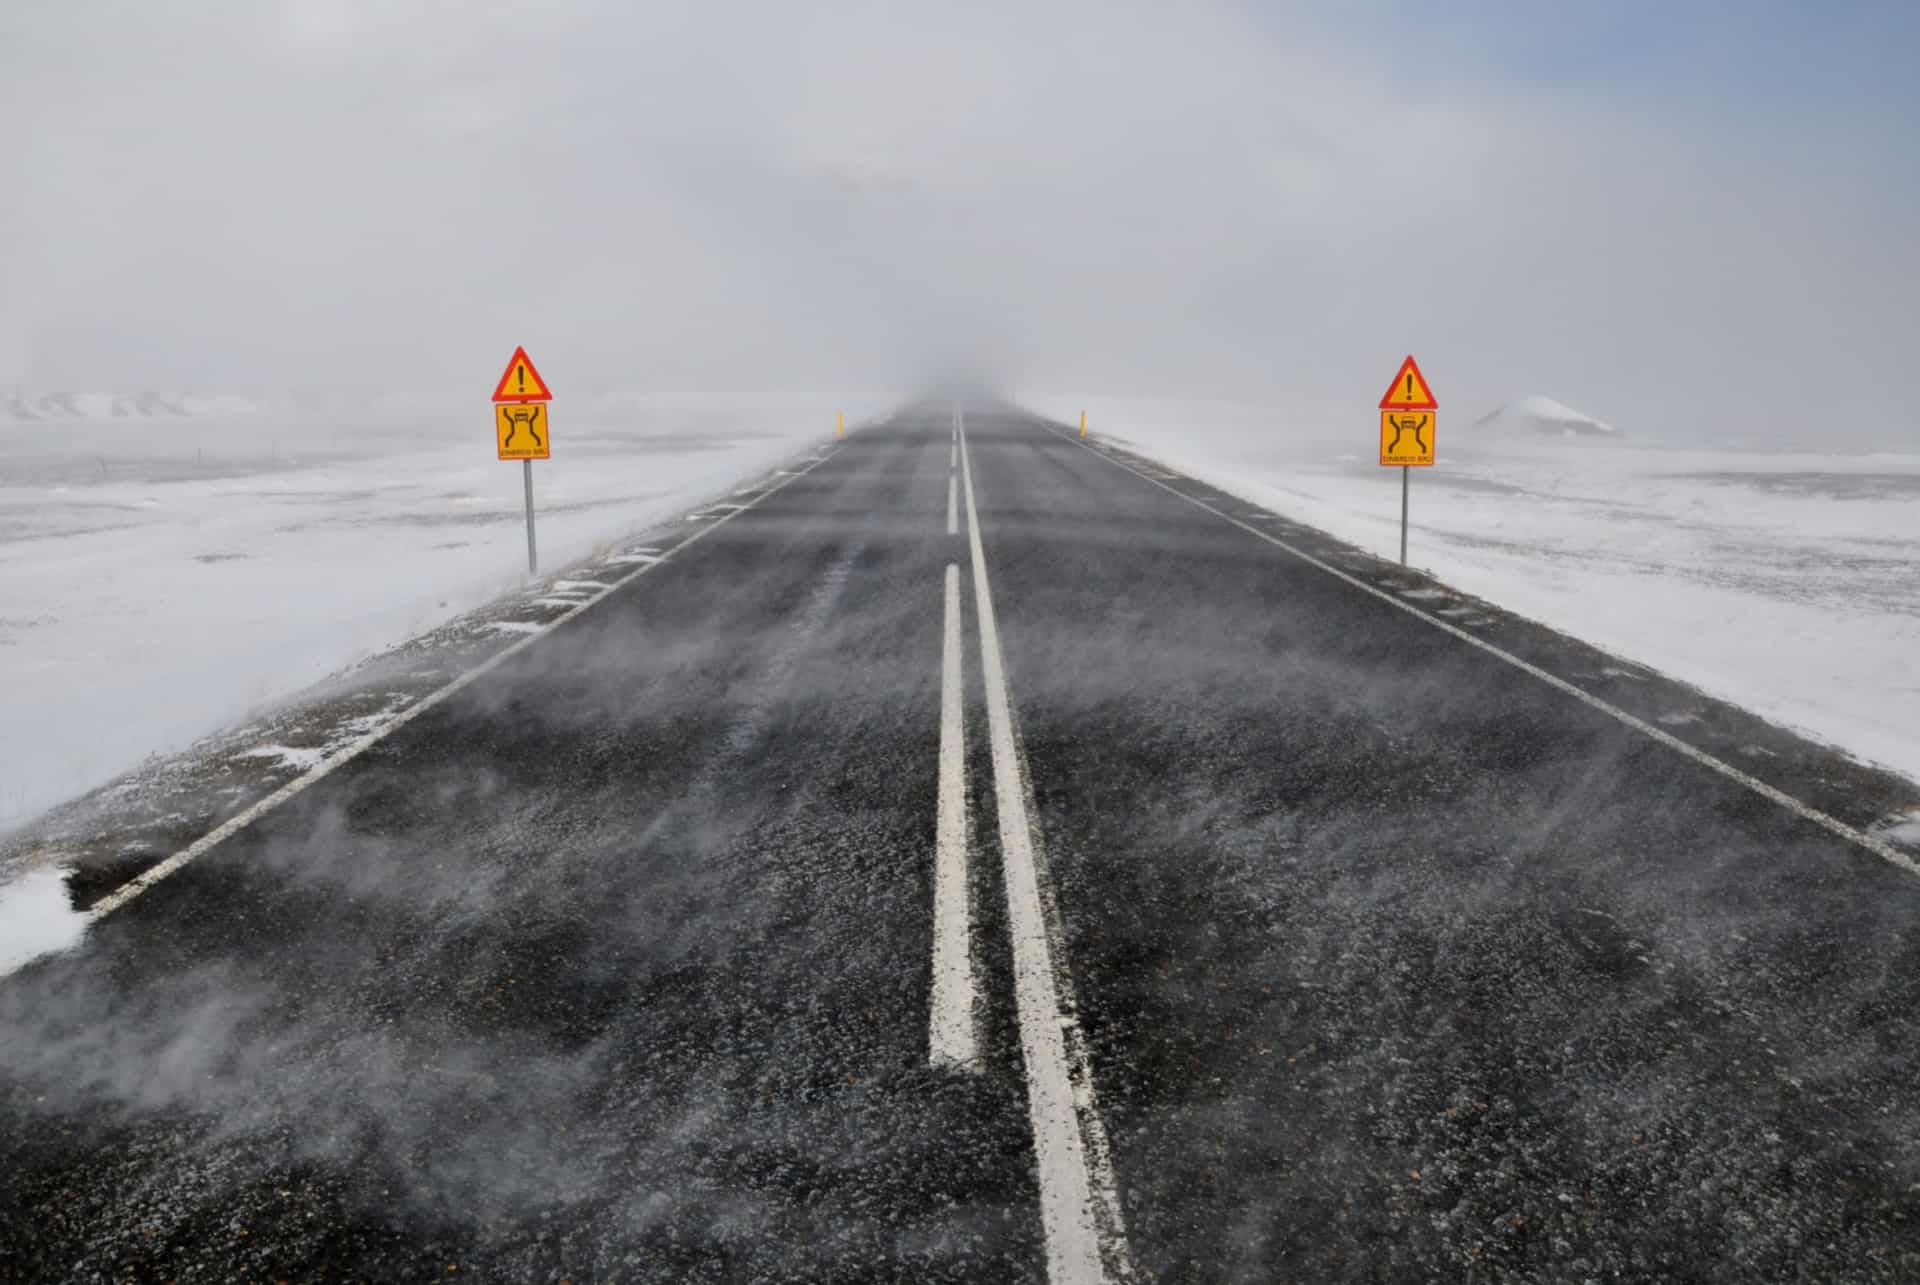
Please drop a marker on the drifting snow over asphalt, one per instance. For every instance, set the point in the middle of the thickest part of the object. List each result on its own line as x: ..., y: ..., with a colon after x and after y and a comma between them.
x: 1780, y: 581
x: 165, y: 575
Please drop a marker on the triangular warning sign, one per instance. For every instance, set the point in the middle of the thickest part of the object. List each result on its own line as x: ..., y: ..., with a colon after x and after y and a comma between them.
x: 521, y: 382
x: 1409, y: 390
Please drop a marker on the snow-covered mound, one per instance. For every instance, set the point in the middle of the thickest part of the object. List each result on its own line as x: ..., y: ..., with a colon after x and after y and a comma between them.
x: 1545, y: 415
x: 20, y: 406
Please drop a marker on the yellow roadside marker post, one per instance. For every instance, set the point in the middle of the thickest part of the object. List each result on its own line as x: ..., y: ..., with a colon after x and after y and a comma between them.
x: 839, y: 423
x: 1083, y: 423
x: 1407, y: 424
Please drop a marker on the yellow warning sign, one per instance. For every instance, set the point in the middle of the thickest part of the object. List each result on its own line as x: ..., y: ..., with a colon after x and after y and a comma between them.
x: 521, y: 429
x: 1406, y: 437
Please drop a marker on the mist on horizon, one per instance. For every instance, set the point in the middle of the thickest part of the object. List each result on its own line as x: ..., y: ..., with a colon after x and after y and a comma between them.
x: 1681, y: 220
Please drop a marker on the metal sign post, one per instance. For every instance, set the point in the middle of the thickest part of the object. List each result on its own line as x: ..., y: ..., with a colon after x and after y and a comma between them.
x: 533, y: 558
x: 1406, y: 475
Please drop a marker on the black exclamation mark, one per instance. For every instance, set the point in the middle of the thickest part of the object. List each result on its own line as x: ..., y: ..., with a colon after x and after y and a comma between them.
x: 1409, y: 386
x: 521, y: 371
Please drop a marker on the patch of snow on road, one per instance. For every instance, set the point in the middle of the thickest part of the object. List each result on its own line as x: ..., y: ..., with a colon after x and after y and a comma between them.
x: 352, y: 729
x: 36, y: 917
x: 298, y: 758
x: 1903, y: 829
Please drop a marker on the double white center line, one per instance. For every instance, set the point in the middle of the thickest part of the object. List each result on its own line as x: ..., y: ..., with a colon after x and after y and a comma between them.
x: 951, y: 1039
x: 1079, y: 1207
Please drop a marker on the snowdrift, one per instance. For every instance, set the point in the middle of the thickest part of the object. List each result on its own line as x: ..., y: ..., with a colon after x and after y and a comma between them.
x: 1545, y: 416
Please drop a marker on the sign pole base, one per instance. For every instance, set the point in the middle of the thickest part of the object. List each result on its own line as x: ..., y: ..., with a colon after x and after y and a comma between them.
x: 1406, y: 474
x: 533, y: 558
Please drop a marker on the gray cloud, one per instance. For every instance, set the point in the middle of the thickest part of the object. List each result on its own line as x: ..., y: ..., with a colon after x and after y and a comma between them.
x: 1188, y: 200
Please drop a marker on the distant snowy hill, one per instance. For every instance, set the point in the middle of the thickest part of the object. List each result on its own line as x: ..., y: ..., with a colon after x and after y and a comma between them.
x: 1544, y: 415
x: 20, y: 406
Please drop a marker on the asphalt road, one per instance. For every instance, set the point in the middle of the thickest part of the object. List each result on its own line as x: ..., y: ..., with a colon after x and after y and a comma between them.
x: 1250, y: 927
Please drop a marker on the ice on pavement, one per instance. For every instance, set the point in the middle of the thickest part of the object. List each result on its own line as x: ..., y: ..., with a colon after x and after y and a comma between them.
x: 166, y: 571
x: 299, y: 758
x: 1781, y: 581
x: 1903, y: 829
x: 36, y: 917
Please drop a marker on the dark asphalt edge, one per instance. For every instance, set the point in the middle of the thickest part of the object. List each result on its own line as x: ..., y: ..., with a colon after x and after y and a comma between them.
x: 1855, y: 830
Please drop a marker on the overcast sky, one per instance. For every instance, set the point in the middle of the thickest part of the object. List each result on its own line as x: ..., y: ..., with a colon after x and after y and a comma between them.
x: 1664, y: 214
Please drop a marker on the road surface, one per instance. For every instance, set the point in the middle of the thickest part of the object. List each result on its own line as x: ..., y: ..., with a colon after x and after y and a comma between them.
x: 973, y: 859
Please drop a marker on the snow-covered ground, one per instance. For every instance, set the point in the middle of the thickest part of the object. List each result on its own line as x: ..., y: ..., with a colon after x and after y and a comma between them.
x: 166, y: 570
x: 1788, y: 583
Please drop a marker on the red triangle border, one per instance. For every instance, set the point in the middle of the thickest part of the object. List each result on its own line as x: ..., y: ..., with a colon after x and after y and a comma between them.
x: 500, y: 393
x: 1388, y: 403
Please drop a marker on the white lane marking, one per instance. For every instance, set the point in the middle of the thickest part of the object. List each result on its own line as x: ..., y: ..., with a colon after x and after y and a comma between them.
x: 1831, y: 824
x: 1079, y: 1206
x: 951, y: 1037
x: 241, y: 820
x: 953, y: 508
x: 953, y: 453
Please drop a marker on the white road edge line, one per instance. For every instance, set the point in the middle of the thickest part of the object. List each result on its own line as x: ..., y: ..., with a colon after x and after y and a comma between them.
x: 951, y: 1039
x: 1086, y: 1235
x: 1831, y: 824
x: 333, y: 762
